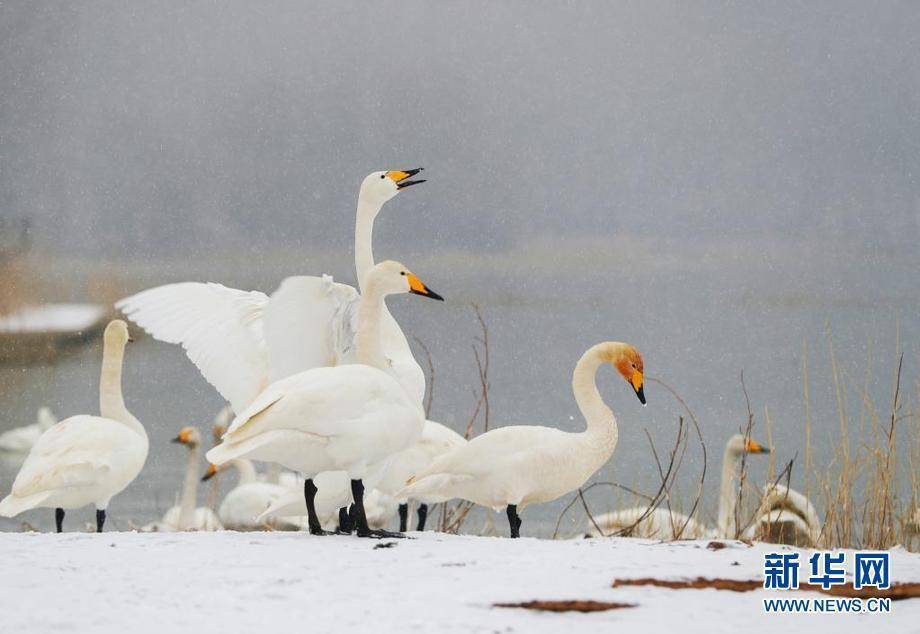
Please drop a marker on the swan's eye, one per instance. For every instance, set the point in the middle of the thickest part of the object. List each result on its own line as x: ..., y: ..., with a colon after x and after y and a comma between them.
x: 403, y: 273
x: 382, y: 176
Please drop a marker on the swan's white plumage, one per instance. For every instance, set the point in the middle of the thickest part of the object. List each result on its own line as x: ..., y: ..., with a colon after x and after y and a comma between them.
x: 519, y: 465
x: 309, y: 324
x: 436, y: 440
x: 220, y: 329
x: 785, y: 516
x: 202, y: 519
x: 657, y: 524
x: 345, y: 418
x: 21, y: 439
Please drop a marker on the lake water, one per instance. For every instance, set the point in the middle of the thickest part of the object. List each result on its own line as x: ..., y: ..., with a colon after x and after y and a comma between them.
x: 700, y: 315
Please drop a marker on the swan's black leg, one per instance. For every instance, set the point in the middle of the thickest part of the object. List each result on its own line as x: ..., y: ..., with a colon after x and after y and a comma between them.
x: 422, y: 516
x: 346, y: 525
x: 309, y: 494
x: 514, y: 522
x: 403, y: 517
x: 100, y: 519
x: 59, y: 519
x: 363, y: 530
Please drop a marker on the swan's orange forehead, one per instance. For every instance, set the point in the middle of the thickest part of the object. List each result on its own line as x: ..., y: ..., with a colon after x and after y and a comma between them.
x: 185, y: 434
x: 627, y: 360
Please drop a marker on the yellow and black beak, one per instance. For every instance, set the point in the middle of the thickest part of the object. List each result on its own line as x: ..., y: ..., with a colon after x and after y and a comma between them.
x: 210, y: 473
x: 400, y: 177
x: 638, y: 384
x: 755, y: 447
x: 416, y: 287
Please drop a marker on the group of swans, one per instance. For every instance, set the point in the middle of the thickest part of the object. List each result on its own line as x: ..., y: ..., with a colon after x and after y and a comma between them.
x: 783, y: 516
x: 322, y: 381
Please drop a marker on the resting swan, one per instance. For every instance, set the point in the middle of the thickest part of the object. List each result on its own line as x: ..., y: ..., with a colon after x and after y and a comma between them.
x: 785, y: 516
x: 21, y: 439
x: 668, y: 526
x: 242, y: 507
x: 513, y: 467
x: 344, y: 418
x: 187, y: 516
x: 85, y: 459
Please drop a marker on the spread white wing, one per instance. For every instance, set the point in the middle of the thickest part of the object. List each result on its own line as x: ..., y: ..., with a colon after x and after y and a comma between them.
x: 220, y: 329
x: 309, y: 323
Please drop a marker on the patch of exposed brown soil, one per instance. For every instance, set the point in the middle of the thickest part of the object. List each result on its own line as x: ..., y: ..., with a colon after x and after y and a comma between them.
x: 896, y: 592
x: 576, y: 605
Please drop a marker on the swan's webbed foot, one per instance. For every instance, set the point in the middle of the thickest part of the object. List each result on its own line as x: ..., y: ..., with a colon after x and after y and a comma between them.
x: 381, y: 534
x: 319, y: 532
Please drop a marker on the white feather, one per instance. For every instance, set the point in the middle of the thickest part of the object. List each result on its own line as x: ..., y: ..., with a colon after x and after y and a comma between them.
x: 220, y: 329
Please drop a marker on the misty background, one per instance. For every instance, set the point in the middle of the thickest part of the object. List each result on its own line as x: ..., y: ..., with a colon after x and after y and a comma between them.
x: 725, y: 185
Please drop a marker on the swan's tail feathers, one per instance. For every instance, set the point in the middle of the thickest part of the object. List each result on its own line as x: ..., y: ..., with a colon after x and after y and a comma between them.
x: 223, y: 453
x: 434, y: 488
x: 289, y: 504
x: 14, y: 505
x: 247, y: 448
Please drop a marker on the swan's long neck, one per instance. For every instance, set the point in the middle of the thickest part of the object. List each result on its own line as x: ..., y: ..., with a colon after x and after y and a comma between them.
x: 246, y: 471
x: 189, y: 499
x: 364, y: 239
x: 601, y: 423
x: 367, y: 340
x: 727, y: 495
x: 111, y: 402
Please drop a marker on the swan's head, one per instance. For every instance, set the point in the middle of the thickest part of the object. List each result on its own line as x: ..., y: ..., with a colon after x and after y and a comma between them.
x: 380, y: 187
x: 628, y: 362
x: 739, y: 444
x: 116, y: 333
x: 188, y: 436
x: 212, y: 471
x: 392, y: 278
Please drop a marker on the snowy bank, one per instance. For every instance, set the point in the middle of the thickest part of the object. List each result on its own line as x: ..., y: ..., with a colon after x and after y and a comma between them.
x: 234, y: 582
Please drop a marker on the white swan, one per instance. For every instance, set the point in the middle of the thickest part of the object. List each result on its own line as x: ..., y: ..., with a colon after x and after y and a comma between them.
x: 785, y: 516
x: 513, y: 467
x: 21, y: 439
x: 658, y: 524
x: 85, y: 459
x: 437, y: 440
x: 243, y: 341
x: 671, y: 525
x: 187, y: 515
x: 343, y: 418
x: 242, y: 506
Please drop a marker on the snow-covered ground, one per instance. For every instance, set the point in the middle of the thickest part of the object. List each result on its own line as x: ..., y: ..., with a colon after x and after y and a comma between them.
x: 236, y: 582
